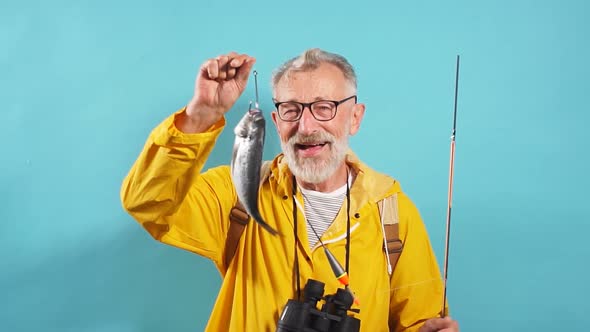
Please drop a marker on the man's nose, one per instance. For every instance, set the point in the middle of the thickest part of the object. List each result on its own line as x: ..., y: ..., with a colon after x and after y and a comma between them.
x: 307, y: 123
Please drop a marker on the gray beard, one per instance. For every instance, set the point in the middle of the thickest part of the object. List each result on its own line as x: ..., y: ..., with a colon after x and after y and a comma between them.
x: 315, y: 170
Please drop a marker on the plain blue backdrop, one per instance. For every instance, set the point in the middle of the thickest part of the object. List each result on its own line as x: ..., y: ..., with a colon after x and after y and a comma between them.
x: 82, y: 83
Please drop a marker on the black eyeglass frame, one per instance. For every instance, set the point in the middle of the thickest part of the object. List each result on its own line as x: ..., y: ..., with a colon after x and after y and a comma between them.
x: 310, y: 105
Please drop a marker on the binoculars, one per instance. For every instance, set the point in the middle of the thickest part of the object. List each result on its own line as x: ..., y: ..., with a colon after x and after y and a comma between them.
x: 304, y: 316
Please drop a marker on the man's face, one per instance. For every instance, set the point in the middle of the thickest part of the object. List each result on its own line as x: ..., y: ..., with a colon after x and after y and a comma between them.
x: 315, y: 149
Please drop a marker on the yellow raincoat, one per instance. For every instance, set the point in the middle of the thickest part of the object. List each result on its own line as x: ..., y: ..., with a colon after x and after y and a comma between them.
x: 178, y: 204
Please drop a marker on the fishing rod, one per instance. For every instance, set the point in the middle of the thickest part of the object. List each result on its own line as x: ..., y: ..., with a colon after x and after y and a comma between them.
x: 450, y: 194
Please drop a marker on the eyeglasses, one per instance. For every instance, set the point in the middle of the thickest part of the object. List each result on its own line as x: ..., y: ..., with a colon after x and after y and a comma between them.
x: 322, y: 110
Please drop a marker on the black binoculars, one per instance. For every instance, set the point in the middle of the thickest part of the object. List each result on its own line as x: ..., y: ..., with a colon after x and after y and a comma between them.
x: 304, y: 316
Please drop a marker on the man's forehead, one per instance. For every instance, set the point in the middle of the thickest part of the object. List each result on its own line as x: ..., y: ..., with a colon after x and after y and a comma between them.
x: 323, y: 71
x: 317, y: 84
x: 312, y: 90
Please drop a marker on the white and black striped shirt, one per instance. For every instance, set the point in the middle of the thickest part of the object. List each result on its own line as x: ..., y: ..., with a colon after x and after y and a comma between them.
x: 321, y: 210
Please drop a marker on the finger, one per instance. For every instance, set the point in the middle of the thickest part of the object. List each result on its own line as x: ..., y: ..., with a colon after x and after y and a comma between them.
x: 210, y: 68
x: 435, y: 324
x: 232, y: 55
x: 429, y: 326
x: 446, y: 324
x: 243, y: 72
x: 231, y: 70
x: 236, y: 61
x: 454, y: 328
x: 222, y: 62
x: 231, y: 73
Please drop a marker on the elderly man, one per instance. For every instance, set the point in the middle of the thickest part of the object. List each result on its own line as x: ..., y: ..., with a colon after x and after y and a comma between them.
x: 317, y: 185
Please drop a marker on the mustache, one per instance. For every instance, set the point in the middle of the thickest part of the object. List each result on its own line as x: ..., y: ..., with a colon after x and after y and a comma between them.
x: 317, y: 137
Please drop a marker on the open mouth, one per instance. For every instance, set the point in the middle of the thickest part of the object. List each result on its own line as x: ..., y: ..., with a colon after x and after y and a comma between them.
x: 308, y: 146
x: 308, y: 150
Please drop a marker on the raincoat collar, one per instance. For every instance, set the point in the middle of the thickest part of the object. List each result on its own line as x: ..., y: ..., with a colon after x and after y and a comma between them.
x: 369, y: 184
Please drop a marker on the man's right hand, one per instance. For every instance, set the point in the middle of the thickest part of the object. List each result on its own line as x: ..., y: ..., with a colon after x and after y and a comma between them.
x: 218, y: 85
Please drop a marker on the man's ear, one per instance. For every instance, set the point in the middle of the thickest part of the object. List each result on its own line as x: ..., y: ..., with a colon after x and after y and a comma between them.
x: 358, y: 111
x: 274, y: 117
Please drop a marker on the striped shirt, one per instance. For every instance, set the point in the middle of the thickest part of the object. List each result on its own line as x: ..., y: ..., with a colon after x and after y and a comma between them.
x: 320, y: 210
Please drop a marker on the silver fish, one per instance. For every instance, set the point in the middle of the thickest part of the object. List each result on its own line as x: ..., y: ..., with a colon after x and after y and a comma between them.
x: 247, y: 160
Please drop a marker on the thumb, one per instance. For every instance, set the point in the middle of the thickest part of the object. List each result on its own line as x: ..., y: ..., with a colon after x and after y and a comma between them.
x: 243, y: 72
x: 436, y: 324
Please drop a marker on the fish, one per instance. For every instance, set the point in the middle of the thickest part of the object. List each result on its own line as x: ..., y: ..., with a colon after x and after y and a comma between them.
x: 247, y: 161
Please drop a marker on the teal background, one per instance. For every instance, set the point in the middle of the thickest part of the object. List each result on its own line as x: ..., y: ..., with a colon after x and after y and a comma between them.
x: 82, y: 83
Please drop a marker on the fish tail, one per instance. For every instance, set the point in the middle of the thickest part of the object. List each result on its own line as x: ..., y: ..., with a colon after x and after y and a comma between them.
x: 258, y: 218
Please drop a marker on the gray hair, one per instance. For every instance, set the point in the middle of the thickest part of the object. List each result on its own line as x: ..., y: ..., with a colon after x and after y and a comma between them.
x: 312, y: 59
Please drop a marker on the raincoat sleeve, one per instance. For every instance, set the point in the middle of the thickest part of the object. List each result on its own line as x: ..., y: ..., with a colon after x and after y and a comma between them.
x: 167, y: 194
x: 416, y: 284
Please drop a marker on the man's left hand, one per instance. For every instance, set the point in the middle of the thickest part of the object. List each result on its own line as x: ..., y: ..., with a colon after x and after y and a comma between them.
x: 446, y: 324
